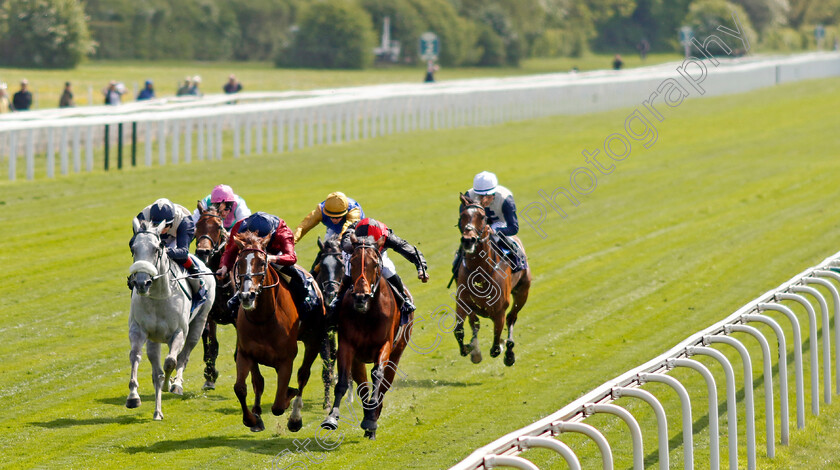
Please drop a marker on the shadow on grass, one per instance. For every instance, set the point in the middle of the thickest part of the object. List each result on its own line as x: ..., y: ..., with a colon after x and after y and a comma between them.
x: 166, y: 396
x: 271, y: 446
x: 70, y: 422
x: 431, y: 383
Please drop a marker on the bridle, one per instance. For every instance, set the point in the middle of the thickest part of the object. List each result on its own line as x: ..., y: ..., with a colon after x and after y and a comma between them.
x: 223, y: 236
x: 240, y: 278
x: 335, y: 283
x: 373, y: 286
x: 158, y: 249
x: 484, y: 234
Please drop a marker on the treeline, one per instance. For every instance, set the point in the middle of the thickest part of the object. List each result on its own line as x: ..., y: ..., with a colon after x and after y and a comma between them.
x: 342, y: 33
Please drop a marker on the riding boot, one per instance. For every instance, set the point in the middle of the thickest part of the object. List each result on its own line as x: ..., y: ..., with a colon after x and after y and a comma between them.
x: 199, y: 293
x: 512, y: 253
x: 403, y: 299
x: 332, y: 309
x: 305, y: 298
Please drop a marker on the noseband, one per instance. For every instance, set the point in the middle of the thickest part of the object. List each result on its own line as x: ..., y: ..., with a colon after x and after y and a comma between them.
x: 217, y: 246
x: 373, y: 286
x: 248, y: 276
x: 484, y: 234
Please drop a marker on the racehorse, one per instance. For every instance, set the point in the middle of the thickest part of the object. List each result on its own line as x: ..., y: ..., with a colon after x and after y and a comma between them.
x: 368, y: 332
x: 485, y: 276
x: 330, y: 264
x: 160, y: 313
x: 210, y: 241
x: 268, y: 328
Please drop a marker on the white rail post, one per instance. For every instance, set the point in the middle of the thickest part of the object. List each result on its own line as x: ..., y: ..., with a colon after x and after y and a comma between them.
x: 62, y: 151
x: 812, y: 343
x: 147, y: 136
x: 635, y: 430
x: 236, y: 131
x: 260, y: 118
x: 301, y: 124
x: 366, y: 121
x: 50, y: 153
x: 310, y: 114
x: 269, y: 132
x: 162, y: 143
x: 330, y: 128
x: 212, y: 130
x: 687, y: 421
x: 589, y: 431
x: 526, y: 442
x: 836, y: 277
x: 291, y: 131
x: 493, y: 461
x: 711, y: 390
x: 89, y: 147
x: 219, y: 134
x: 748, y: 390
x: 188, y: 138
x: 797, y: 357
x: 200, y: 124
x: 30, y: 154
x: 176, y: 140
x: 77, y: 148
x: 769, y: 411
x: 320, y: 124
x: 247, y: 129
x: 658, y: 410
x: 731, y: 402
x: 12, y: 155
x: 826, y: 340
x: 782, y: 361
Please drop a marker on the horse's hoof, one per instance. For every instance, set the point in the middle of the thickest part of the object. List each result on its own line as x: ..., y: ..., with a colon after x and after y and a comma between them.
x: 495, y: 350
x: 475, y: 356
x: 510, y: 357
x: 259, y: 426
x: 208, y: 385
x: 464, y: 351
x: 369, y: 425
x: 329, y: 423
x: 327, y: 404
x: 295, y: 425
x: 176, y: 389
x: 132, y: 402
x: 158, y: 416
x: 370, y: 435
x: 277, y: 411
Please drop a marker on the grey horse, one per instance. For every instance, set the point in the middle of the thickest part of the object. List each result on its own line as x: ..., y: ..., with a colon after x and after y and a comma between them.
x: 160, y: 313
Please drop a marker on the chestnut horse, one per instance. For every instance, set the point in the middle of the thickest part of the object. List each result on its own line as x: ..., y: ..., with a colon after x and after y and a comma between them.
x: 485, y: 276
x: 368, y: 332
x: 268, y: 328
x: 210, y: 241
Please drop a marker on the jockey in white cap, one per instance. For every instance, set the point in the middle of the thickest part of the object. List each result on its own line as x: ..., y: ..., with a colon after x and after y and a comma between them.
x: 500, y: 209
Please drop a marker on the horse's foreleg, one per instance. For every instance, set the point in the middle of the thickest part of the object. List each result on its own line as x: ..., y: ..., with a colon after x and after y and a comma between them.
x: 258, y: 383
x: 328, y: 369
x: 520, y: 296
x: 498, y: 326
x: 310, y: 352
x: 153, y: 353
x: 345, y: 360
x: 282, y: 400
x: 211, y: 352
x: 170, y: 364
x: 137, y: 337
x: 475, y: 352
x: 243, y: 367
x: 459, y: 329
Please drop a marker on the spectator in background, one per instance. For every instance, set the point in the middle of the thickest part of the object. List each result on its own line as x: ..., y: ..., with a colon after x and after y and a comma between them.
x: 232, y: 86
x: 5, y: 104
x: 66, y: 100
x: 194, y: 91
x: 644, y: 48
x: 184, y: 89
x: 147, y: 93
x: 22, y: 100
x: 431, y: 68
x: 617, y: 62
x: 113, y: 93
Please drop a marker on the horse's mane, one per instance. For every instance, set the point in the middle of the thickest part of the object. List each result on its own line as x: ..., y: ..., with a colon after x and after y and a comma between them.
x: 366, y: 240
x: 332, y: 244
x: 249, y: 238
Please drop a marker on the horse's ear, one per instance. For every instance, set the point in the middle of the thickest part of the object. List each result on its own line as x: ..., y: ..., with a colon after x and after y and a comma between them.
x: 160, y: 227
x: 381, y: 242
x: 238, y: 239
x: 264, y: 241
x: 465, y: 200
x: 320, y: 245
x: 200, y: 206
x: 135, y: 225
x: 353, y: 238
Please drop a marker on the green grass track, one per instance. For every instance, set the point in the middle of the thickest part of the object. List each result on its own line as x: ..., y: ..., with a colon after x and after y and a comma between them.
x: 738, y: 194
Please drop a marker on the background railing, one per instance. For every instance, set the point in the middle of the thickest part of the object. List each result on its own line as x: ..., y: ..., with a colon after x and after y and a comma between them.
x: 181, y: 130
x: 572, y: 417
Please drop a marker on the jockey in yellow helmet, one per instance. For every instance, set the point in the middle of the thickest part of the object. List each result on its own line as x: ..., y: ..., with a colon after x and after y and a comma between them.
x: 336, y: 212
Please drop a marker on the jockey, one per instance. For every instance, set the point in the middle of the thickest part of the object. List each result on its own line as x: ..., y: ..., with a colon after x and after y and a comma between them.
x: 177, y: 237
x: 500, y: 209
x: 337, y: 212
x: 281, y: 252
x: 230, y: 206
x: 373, y: 228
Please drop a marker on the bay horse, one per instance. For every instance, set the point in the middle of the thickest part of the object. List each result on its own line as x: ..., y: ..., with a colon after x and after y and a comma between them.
x: 368, y: 333
x: 160, y: 313
x: 210, y: 241
x: 268, y: 327
x: 485, y: 276
x: 330, y: 273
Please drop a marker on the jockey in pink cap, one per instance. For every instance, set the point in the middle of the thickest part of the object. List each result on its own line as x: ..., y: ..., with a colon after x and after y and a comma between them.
x: 230, y: 206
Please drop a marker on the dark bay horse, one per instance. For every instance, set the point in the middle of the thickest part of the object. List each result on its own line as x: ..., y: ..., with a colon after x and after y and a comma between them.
x: 486, y: 285
x: 330, y: 267
x: 368, y: 333
x: 210, y: 241
x: 268, y: 328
